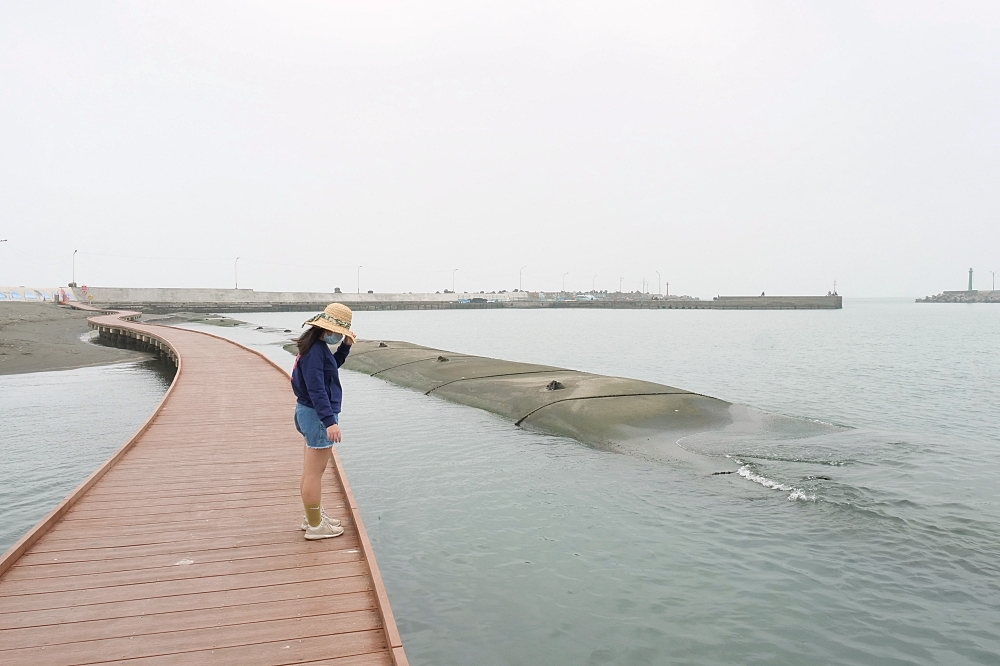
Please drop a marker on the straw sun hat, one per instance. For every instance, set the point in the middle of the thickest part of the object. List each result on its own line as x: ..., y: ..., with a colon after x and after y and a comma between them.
x: 336, y: 318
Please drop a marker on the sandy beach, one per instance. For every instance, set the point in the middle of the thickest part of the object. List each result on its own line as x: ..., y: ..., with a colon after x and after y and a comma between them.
x: 37, y: 337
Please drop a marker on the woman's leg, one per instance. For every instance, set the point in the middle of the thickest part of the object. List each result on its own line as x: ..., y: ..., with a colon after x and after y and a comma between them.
x: 314, y: 463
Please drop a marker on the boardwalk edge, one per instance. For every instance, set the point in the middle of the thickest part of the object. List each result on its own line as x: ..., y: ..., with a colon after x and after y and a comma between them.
x: 41, y: 527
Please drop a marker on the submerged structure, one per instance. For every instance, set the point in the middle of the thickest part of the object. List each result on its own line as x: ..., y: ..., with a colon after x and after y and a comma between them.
x: 631, y: 416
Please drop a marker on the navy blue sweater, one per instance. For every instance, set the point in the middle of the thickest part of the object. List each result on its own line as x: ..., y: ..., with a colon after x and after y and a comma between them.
x: 316, y: 381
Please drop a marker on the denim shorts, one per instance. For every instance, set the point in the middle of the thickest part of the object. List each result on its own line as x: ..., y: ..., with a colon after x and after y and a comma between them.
x: 309, y: 426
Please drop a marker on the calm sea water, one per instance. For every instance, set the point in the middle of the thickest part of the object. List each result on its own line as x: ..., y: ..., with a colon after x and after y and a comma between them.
x: 58, y: 427
x: 877, y: 545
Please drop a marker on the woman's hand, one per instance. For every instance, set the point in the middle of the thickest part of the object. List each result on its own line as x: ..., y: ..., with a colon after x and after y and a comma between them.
x: 348, y: 340
x: 333, y: 433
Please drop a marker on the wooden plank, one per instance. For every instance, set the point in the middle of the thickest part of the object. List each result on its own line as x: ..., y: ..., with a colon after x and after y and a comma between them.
x: 177, y: 550
x: 167, y: 521
x: 237, y: 537
x: 84, y: 511
x: 276, y: 652
x: 205, y: 483
x: 159, y: 466
x: 187, y: 603
x: 199, y: 484
x: 167, y: 498
x: 221, y: 512
x: 60, y: 599
x: 204, y: 544
x: 183, y: 569
x: 199, y: 639
x: 139, y: 625
x: 89, y: 537
x: 370, y: 659
x: 103, y: 564
x: 171, y: 522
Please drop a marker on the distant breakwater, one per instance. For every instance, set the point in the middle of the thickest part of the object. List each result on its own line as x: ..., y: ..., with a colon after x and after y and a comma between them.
x: 973, y: 296
x: 247, y: 300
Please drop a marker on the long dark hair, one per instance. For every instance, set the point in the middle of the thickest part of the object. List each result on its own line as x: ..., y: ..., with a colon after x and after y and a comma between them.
x: 306, y: 340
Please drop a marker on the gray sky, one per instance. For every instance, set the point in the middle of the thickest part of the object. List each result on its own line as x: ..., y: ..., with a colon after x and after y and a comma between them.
x: 734, y: 147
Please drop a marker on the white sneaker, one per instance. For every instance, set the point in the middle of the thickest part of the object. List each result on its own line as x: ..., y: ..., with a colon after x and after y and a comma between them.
x: 333, y: 521
x: 323, y: 531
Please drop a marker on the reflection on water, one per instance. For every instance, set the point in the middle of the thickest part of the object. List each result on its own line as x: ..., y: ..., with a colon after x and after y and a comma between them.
x: 56, y: 428
x: 502, y: 546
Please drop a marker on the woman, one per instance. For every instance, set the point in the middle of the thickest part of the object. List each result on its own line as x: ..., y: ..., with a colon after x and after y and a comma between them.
x: 316, y: 384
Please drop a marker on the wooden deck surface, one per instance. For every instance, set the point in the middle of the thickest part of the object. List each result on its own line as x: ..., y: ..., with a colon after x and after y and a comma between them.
x: 184, y: 548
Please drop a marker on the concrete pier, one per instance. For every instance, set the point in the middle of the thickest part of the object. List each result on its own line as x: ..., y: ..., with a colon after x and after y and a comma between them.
x: 248, y: 300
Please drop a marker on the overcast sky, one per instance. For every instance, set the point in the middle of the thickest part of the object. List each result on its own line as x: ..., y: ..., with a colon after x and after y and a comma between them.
x: 733, y: 147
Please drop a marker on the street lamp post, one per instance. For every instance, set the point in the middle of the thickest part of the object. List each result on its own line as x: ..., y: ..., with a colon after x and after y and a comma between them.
x: 73, y: 284
x: 620, y: 280
x: 994, y: 274
x: 658, y: 292
x: 453, y: 280
x: 236, y: 272
x: 564, y: 280
x: 359, y: 279
x: 520, y: 279
x: 593, y: 281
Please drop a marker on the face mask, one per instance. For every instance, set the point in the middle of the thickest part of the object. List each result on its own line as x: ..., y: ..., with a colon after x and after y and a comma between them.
x: 333, y: 338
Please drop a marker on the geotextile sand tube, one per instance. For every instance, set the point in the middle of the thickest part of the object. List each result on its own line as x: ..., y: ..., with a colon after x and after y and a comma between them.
x: 640, y: 418
x: 613, y: 413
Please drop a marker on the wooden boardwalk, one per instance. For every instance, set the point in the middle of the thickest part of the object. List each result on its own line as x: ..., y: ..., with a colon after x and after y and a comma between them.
x: 184, y: 547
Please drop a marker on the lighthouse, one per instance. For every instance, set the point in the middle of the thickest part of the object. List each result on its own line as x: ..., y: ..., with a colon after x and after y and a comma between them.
x: 970, y: 279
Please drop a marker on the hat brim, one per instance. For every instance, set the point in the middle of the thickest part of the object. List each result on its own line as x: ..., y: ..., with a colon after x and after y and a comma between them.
x: 333, y: 328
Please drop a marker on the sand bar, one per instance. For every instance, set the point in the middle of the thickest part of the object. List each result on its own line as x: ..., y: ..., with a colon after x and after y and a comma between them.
x: 36, y: 337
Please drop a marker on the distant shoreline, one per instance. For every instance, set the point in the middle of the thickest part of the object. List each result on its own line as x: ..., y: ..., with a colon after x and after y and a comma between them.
x: 162, y: 301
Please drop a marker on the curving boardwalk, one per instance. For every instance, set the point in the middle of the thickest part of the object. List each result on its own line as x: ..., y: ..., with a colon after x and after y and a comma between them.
x: 184, y: 547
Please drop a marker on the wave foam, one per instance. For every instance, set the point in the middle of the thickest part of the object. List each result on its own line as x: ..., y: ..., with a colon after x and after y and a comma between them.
x: 796, y: 493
